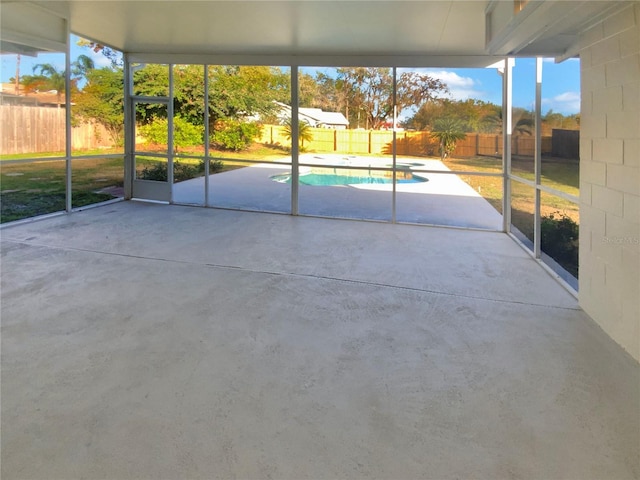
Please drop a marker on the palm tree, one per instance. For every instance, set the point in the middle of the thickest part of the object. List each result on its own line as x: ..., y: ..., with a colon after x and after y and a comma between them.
x: 522, y: 120
x: 53, y: 78
x: 447, y: 131
x: 82, y: 65
x: 304, y: 131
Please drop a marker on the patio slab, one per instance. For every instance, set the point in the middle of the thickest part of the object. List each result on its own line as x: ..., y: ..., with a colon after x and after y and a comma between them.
x: 159, y: 341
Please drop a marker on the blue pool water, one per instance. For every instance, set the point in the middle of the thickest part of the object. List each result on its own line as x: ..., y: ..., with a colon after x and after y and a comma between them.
x: 322, y: 179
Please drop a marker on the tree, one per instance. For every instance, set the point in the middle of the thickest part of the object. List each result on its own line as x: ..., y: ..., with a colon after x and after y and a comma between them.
x: 150, y: 80
x: 242, y: 91
x: 558, y: 120
x: 114, y: 56
x: 32, y: 83
x: 102, y: 100
x: 369, y: 91
x: 188, y: 81
x: 523, y: 121
x: 51, y: 78
x: 235, y: 92
x: 417, y: 89
x: 82, y: 65
x: 447, y: 131
x: 304, y: 131
x: 309, y: 91
x: 474, y: 115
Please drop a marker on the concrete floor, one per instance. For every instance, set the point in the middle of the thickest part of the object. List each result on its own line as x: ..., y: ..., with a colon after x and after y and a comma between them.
x: 153, y: 341
x: 445, y: 199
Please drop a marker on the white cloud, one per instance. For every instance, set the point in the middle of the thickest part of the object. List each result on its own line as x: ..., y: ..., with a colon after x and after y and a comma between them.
x: 101, y: 61
x: 460, y: 88
x: 565, y: 103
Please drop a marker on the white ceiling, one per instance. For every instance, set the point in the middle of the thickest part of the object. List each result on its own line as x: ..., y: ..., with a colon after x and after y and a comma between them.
x: 362, y: 29
x: 282, y: 27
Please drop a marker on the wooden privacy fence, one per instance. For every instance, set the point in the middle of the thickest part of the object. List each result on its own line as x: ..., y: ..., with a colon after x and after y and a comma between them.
x: 408, y: 143
x: 27, y: 129
x: 565, y: 143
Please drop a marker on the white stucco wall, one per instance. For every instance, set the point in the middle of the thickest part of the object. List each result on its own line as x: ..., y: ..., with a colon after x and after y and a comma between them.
x: 610, y: 177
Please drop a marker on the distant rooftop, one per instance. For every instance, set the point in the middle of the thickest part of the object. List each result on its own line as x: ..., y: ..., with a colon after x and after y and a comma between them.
x: 316, y: 117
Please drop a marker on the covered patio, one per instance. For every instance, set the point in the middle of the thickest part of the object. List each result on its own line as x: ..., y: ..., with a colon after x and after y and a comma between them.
x: 155, y: 341
x: 152, y: 339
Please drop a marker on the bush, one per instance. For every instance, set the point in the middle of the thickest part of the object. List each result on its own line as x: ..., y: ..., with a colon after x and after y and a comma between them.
x: 185, y: 171
x: 235, y: 135
x: 447, y: 131
x: 559, y: 239
x: 181, y: 171
x: 156, y: 172
x: 185, y: 134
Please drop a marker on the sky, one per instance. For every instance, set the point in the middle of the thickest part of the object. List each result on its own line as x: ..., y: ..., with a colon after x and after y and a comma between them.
x: 560, y: 82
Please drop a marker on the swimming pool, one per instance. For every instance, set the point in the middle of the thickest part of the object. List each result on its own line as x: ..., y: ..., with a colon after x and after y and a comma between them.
x: 328, y: 179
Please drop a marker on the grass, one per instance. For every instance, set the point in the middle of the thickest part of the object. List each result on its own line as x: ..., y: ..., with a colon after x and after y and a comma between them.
x: 31, y: 188
x: 23, y: 156
x: 38, y: 188
x: 559, y: 174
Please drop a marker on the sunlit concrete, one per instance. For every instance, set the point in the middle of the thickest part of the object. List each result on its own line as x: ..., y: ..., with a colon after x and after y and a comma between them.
x: 444, y: 199
x: 155, y: 341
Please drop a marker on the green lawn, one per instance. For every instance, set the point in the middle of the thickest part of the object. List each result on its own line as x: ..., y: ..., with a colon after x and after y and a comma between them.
x: 556, y: 173
x: 37, y: 188
x: 75, y: 153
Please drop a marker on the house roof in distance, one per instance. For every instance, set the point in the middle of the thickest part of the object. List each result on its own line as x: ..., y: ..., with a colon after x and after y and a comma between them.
x: 324, y: 118
x: 314, y: 116
x: 21, y: 97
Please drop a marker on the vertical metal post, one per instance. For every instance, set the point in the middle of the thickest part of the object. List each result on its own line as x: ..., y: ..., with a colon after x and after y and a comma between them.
x: 537, y: 234
x: 129, y: 139
x: 393, y: 148
x: 507, y: 127
x: 67, y: 138
x: 295, y: 174
x: 206, y: 135
x: 170, y: 139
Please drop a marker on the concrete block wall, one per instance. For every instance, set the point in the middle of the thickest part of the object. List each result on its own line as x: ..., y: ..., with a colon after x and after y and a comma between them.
x: 610, y: 176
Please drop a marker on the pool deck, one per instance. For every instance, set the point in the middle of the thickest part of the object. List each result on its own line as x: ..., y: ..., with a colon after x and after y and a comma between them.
x: 443, y: 200
x: 147, y: 341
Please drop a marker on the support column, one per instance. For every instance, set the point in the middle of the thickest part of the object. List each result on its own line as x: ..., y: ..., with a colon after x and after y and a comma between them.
x: 129, y: 140
x: 170, y: 142
x: 507, y: 128
x: 206, y: 135
x: 295, y: 150
x: 393, y: 147
x: 538, y: 159
x: 67, y: 138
